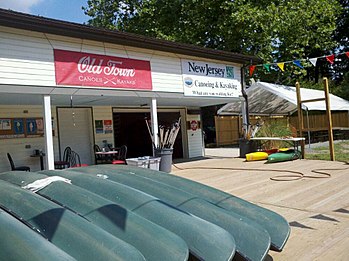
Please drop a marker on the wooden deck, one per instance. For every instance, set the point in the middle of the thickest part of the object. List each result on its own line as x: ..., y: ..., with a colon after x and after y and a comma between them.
x: 317, y: 209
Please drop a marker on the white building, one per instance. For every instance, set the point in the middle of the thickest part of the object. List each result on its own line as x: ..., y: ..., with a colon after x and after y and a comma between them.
x: 89, y: 85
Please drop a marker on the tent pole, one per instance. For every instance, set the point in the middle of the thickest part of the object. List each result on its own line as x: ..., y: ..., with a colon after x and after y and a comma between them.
x: 308, y: 126
x: 329, y: 118
x: 300, y: 116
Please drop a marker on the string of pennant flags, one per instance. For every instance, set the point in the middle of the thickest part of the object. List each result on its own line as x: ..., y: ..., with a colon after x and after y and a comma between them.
x: 298, y: 63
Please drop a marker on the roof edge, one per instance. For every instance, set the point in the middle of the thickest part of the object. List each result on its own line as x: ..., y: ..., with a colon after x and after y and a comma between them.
x: 24, y: 21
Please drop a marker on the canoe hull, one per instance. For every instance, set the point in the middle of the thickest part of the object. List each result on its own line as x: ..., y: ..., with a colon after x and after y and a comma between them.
x: 276, y: 225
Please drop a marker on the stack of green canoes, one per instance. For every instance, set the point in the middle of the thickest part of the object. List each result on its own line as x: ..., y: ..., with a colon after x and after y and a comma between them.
x: 113, y: 212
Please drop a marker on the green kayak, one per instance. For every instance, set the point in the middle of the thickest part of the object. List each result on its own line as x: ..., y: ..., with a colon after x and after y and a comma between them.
x: 284, y: 156
x: 206, y: 241
x: 150, y: 239
x: 276, y: 225
x: 73, y: 234
x: 252, y: 241
x: 19, y: 242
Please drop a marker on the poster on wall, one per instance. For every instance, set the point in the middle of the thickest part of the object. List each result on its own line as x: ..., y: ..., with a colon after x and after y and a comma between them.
x: 99, y: 126
x: 31, y: 126
x: 5, y: 124
x: 209, y: 79
x: 108, y: 128
x: 21, y: 128
x: 18, y: 126
x: 39, y: 126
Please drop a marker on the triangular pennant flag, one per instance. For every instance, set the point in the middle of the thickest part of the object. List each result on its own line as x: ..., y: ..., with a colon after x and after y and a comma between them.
x: 347, y: 53
x: 330, y: 58
x: 281, y: 66
x: 267, y: 66
x: 252, y: 67
x: 298, y: 63
x: 313, y: 61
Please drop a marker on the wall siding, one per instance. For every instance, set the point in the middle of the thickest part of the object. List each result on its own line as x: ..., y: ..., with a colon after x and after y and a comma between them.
x: 26, y: 58
x: 103, y: 113
x: 17, y: 146
x: 195, y: 139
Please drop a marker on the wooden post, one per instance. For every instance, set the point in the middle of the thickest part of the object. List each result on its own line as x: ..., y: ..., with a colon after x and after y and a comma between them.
x: 329, y: 118
x: 300, y: 116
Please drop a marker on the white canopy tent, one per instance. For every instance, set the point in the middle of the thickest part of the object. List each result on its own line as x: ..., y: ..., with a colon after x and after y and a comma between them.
x: 272, y: 99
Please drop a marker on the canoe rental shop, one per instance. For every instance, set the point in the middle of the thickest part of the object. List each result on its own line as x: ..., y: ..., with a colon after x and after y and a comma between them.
x: 65, y: 84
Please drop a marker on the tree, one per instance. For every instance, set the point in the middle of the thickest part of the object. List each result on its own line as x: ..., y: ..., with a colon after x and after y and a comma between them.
x: 274, y: 30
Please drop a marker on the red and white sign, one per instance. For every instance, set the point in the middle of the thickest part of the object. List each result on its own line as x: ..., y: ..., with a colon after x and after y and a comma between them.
x: 194, y: 125
x: 86, y: 69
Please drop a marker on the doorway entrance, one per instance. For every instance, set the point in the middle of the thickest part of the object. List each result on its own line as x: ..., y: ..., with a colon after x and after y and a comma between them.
x: 130, y: 129
x: 76, y: 131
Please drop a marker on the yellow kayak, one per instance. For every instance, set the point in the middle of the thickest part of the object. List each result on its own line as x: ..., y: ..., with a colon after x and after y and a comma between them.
x: 258, y: 155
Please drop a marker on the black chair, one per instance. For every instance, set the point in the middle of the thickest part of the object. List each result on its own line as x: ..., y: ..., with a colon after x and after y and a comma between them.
x: 121, y: 159
x: 74, y: 160
x: 98, y: 158
x: 13, y: 167
x: 64, y: 163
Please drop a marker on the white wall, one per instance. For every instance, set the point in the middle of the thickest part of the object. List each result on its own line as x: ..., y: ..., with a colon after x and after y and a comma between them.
x: 195, y: 139
x: 103, y: 113
x: 17, y: 146
x: 26, y: 58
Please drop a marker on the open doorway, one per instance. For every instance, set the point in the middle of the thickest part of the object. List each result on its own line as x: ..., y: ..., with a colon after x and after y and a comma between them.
x: 130, y: 129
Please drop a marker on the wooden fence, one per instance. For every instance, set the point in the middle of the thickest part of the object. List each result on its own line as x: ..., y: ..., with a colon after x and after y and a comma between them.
x: 228, y: 128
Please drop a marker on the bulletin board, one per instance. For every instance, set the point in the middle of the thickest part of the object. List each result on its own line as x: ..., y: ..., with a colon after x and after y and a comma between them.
x: 11, y: 128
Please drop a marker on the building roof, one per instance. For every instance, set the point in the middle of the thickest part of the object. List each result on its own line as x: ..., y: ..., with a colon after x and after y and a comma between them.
x: 272, y: 99
x: 47, y: 25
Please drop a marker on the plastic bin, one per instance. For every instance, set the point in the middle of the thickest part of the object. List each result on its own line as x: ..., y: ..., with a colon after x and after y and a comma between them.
x: 166, y: 159
x: 154, y: 163
x: 138, y: 162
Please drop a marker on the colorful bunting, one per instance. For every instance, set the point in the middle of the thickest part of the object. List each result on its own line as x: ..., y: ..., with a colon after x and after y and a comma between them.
x: 281, y: 66
x: 298, y: 63
x: 267, y: 66
x: 330, y: 58
x: 313, y: 61
x: 252, y: 67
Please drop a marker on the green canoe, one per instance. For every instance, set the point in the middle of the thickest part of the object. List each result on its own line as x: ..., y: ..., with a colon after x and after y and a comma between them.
x: 252, y: 241
x: 19, y: 242
x: 284, y: 156
x: 153, y: 241
x: 276, y: 225
x: 73, y: 234
x: 206, y: 241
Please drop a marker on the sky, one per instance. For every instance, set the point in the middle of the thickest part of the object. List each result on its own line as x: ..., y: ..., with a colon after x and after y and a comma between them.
x: 66, y: 10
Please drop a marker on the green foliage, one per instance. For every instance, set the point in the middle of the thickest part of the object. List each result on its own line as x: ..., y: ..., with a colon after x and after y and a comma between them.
x: 274, y: 30
x: 341, y: 151
x: 275, y: 128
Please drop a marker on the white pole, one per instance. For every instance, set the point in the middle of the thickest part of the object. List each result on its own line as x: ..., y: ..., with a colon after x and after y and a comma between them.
x: 48, y: 133
x: 154, y: 123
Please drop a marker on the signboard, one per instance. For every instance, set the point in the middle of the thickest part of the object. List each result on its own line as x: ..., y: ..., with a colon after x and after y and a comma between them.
x: 21, y: 128
x: 86, y: 69
x: 209, y: 79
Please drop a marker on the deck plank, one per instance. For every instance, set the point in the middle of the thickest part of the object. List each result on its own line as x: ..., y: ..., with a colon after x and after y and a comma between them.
x: 316, y: 208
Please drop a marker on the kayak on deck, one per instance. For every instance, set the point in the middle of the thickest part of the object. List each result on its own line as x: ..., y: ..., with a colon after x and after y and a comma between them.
x: 252, y: 240
x: 258, y: 155
x: 150, y: 239
x: 276, y: 225
x: 284, y: 156
x: 206, y: 241
x: 70, y: 232
x: 20, y: 242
